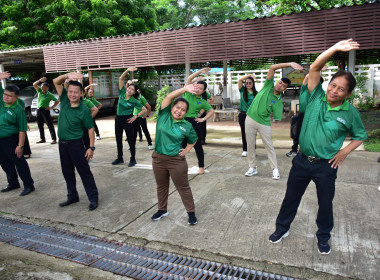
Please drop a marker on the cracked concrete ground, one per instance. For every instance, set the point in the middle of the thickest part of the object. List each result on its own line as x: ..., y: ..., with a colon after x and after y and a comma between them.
x: 236, y: 213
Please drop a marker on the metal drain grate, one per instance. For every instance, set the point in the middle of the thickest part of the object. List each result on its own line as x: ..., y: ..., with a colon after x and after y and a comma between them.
x: 120, y: 258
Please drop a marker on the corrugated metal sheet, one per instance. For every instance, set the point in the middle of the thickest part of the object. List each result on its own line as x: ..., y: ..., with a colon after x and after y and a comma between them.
x: 287, y: 35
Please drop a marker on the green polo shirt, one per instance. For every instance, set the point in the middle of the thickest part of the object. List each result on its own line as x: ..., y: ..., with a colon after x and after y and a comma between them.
x: 12, y: 118
x: 125, y: 107
x: 171, y: 133
x: 196, y: 104
x: 324, y: 128
x: 265, y: 103
x: 21, y: 102
x: 88, y: 103
x: 45, y: 98
x: 143, y: 102
x: 244, y: 105
x: 72, y: 120
x: 304, y: 98
x: 94, y: 101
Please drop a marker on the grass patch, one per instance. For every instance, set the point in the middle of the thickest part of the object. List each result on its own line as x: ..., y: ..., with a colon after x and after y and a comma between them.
x: 372, y: 144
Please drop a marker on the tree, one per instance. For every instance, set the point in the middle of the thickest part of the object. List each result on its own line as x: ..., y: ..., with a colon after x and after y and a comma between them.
x: 33, y: 22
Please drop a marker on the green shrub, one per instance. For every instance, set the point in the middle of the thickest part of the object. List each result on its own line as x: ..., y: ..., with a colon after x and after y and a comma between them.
x: 372, y: 144
x: 161, y: 94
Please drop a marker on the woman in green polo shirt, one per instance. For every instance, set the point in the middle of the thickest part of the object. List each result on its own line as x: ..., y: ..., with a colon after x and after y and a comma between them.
x: 169, y: 156
x: 89, y: 94
x: 124, y: 117
x: 197, y: 103
x: 247, y: 94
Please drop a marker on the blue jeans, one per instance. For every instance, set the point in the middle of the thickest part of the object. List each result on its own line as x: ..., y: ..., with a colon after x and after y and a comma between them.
x: 301, y: 173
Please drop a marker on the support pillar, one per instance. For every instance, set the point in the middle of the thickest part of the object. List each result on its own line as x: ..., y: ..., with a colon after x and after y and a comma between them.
x: 351, y: 61
x: 187, y: 71
x: 225, y: 73
x: 3, y: 82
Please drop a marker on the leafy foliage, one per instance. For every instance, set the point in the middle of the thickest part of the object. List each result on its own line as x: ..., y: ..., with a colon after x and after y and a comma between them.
x: 161, y: 94
x: 33, y: 22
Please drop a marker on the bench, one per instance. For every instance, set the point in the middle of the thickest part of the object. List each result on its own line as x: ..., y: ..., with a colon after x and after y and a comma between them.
x: 227, y: 110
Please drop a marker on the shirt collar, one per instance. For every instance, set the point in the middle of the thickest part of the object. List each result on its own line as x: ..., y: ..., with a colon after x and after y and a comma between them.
x: 344, y: 107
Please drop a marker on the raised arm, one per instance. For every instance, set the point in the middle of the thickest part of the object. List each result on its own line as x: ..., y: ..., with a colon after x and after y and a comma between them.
x: 124, y: 75
x: 58, y: 82
x: 275, y: 67
x: 319, y: 63
x: 174, y: 94
x: 87, y: 87
x: 36, y: 83
x: 242, y: 79
x: 4, y: 75
x: 192, y: 76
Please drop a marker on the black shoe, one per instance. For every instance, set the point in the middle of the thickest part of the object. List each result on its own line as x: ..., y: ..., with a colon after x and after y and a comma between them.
x: 41, y: 141
x: 27, y: 191
x: 118, y: 161
x: 132, y: 162
x: 277, y: 236
x: 68, y: 202
x: 140, y: 140
x: 203, y: 142
x: 159, y: 214
x: 291, y: 153
x: 324, y: 248
x: 93, y: 206
x: 9, y: 188
x: 192, y: 219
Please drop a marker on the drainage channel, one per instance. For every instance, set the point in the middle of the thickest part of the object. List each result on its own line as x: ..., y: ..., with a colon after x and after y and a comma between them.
x: 120, y: 258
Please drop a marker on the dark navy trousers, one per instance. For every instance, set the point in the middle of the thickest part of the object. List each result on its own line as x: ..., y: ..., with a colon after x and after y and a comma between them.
x: 10, y: 162
x: 43, y: 115
x: 72, y: 153
x: 301, y: 173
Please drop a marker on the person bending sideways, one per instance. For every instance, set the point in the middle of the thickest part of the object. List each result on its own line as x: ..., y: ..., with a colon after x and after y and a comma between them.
x: 328, y: 118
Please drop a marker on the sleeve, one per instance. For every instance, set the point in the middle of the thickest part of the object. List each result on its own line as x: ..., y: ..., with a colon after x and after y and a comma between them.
x: 192, y: 136
x: 269, y: 83
x: 208, y: 95
x: 21, y: 121
x: 1, y: 92
x: 87, y: 119
x: 122, y: 92
x: 357, y: 129
x: 304, y: 98
x: 52, y: 97
x: 88, y: 103
x: 278, y: 109
x: 21, y: 102
x: 143, y: 100
x: 63, y: 96
x: 95, y: 102
x: 206, y: 106
x: 136, y: 103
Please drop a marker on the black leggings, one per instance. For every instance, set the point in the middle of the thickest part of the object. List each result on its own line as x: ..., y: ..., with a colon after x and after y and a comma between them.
x: 121, y: 123
x: 242, y: 116
x: 198, y: 146
x: 141, y: 122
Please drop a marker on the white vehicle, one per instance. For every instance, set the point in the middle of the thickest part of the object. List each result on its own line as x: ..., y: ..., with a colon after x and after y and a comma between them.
x: 53, y: 112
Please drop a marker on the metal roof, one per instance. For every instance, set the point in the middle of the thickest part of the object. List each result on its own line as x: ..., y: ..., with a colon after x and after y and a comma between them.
x: 251, y: 40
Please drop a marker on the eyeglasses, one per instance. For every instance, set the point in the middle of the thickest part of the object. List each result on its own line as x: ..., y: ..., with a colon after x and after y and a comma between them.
x: 10, y: 96
x: 248, y: 83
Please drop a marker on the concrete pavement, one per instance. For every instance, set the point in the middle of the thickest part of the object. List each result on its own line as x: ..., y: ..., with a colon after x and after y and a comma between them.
x: 236, y: 214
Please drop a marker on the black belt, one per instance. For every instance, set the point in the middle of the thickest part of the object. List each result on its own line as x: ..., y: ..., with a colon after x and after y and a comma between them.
x: 313, y: 159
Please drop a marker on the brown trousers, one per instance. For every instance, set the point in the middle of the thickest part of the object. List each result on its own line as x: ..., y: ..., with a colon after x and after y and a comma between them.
x: 165, y: 167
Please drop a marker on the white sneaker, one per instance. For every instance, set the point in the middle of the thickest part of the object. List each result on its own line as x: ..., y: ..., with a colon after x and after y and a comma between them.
x: 276, y: 174
x: 98, y: 138
x: 251, y: 171
x: 150, y: 147
x: 244, y: 153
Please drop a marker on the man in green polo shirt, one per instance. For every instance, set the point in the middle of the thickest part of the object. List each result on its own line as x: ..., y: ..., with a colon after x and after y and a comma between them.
x: 74, y: 116
x: 13, y: 125
x: 328, y: 118
x: 267, y: 101
x: 43, y: 110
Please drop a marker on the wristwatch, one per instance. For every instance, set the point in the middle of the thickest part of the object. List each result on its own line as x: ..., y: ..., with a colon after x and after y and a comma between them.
x: 92, y: 148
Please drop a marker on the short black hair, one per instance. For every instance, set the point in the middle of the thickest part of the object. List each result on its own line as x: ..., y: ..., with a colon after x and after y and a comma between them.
x: 286, y: 80
x: 321, y: 80
x: 45, y: 84
x: 77, y: 84
x: 181, y: 99
x: 13, y: 88
x: 348, y: 76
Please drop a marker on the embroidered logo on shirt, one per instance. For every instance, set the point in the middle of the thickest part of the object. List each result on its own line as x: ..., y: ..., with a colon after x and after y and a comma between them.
x: 10, y: 113
x: 199, y: 102
x: 339, y: 119
x: 273, y: 101
x: 182, y: 128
